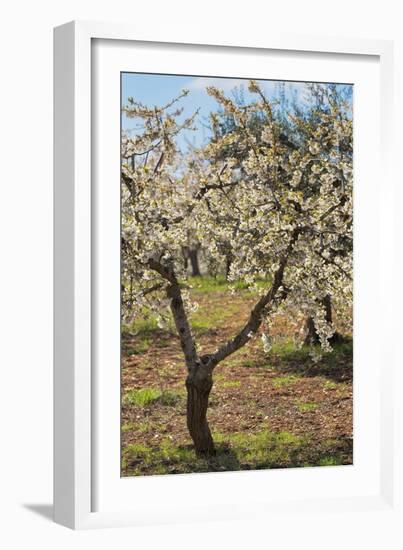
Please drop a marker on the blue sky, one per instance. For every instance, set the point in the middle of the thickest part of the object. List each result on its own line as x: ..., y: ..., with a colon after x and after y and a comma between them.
x: 152, y: 89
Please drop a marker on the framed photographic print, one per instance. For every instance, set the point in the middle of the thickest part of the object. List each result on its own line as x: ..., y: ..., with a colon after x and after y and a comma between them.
x: 221, y: 230
x: 231, y: 225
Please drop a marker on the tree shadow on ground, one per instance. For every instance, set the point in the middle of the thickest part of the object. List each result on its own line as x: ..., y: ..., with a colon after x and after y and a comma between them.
x: 329, y: 453
x: 274, y: 451
x: 225, y: 459
x: 310, y: 453
x: 336, y: 365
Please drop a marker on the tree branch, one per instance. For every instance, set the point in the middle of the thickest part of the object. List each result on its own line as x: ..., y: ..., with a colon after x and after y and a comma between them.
x: 329, y: 261
x: 178, y: 312
x: 152, y: 289
x: 341, y: 202
x: 262, y: 306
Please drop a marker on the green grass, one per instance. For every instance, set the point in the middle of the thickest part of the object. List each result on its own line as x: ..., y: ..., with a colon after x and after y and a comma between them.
x: 171, y: 398
x: 335, y: 460
x: 203, y: 320
x: 141, y: 326
x: 207, y: 284
x: 149, y: 396
x: 287, y: 349
x: 263, y: 449
x: 245, y: 362
x: 284, y: 381
x: 306, y: 406
x: 330, y: 385
x: 340, y: 353
x: 142, y: 397
x: 334, y: 366
x: 141, y: 345
x: 340, y: 390
x: 128, y: 427
x: 236, y: 451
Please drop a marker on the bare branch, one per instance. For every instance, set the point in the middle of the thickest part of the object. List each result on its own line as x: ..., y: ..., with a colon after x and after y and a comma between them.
x: 159, y: 163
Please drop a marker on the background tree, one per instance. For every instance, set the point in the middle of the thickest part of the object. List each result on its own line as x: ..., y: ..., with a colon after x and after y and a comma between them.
x: 317, y: 102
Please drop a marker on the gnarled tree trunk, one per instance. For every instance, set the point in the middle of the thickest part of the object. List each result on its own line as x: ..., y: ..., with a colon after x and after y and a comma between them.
x: 200, y: 380
x: 198, y: 384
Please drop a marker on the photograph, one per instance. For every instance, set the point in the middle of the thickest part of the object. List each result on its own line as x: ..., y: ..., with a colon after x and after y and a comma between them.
x: 236, y: 274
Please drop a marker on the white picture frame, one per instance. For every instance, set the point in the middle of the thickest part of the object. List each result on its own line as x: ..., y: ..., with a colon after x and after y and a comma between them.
x: 76, y: 431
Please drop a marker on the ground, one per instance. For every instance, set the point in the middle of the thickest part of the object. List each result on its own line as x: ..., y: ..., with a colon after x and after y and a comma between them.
x: 267, y: 410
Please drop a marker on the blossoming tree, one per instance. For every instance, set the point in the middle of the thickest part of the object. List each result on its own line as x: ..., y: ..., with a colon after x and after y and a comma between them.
x: 282, y: 206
